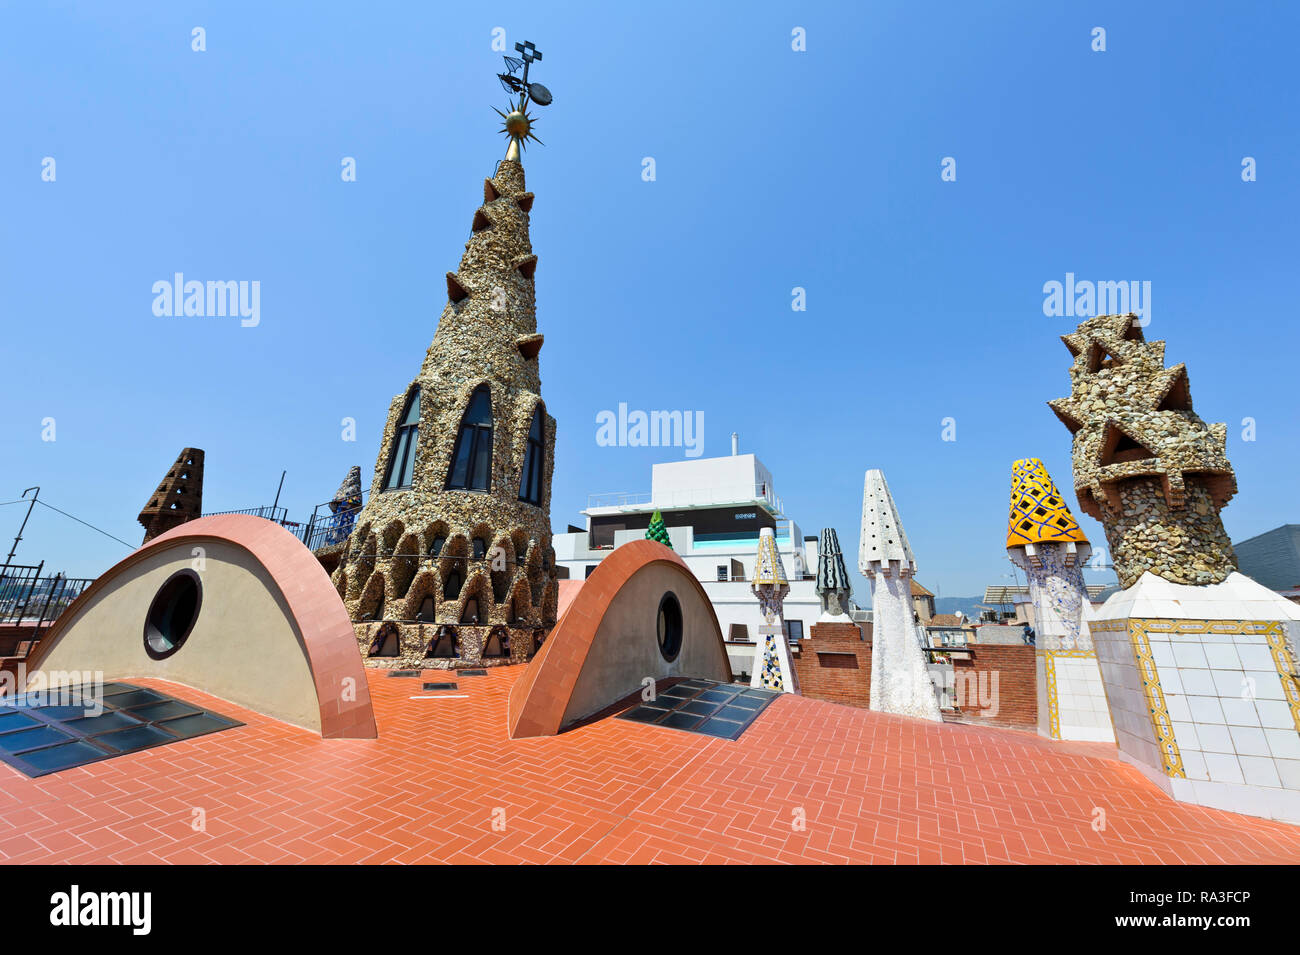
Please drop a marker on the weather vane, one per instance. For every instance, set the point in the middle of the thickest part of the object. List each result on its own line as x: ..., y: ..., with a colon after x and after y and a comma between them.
x: 518, y: 124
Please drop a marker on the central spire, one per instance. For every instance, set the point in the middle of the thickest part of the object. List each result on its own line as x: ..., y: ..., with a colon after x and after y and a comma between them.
x: 451, y: 562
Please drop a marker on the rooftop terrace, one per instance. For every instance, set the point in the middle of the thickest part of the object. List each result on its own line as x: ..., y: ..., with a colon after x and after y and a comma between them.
x: 873, y: 788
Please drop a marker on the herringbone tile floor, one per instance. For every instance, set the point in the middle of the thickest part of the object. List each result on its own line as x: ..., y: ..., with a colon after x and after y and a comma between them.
x: 808, y: 782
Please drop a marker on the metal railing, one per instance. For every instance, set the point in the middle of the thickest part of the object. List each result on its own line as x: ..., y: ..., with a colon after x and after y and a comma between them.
x: 277, y: 514
x: 692, y: 497
x: 326, y: 527
x: 17, y: 583
x: 330, y: 527
x: 27, y: 599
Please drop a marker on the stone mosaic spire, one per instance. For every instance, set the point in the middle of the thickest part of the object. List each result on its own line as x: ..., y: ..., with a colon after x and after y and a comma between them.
x: 833, y: 587
x: 457, y: 529
x: 179, y: 497
x: 1145, y: 464
x: 899, y: 680
x: 772, y: 669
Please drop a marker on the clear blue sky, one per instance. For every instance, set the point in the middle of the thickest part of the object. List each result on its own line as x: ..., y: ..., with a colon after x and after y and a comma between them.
x: 775, y: 169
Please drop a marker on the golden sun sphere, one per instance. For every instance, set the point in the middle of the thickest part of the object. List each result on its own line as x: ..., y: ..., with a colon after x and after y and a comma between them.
x: 517, y: 124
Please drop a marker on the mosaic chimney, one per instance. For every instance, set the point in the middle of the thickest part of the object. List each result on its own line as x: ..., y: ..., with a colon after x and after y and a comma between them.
x: 1145, y: 464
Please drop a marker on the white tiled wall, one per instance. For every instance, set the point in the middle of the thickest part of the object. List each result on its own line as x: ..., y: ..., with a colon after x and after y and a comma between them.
x: 1232, y: 723
x: 1231, y: 719
x: 1083, y: 711
x: 1128, y: 705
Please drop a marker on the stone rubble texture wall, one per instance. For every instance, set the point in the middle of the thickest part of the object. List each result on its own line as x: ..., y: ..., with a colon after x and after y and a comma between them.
x: 178, y: 497
x: 487, y: 334
x: 1145, y: 464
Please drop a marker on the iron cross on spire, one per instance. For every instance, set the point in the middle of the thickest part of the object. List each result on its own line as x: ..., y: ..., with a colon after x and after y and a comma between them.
x: 528, y: 52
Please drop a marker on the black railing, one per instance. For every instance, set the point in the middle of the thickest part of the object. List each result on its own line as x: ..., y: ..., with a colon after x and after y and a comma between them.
x: 27, y: 599
x: 326, y: 528
x: 17, y: 582
x: 277, y: 514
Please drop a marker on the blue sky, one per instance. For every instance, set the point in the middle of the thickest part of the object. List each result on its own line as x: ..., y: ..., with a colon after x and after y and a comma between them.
x: 774, y: 169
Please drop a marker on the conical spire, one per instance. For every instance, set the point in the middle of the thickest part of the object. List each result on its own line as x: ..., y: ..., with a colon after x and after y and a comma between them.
x: 349, y: 493
x: 883, y: 538
x: 179, y: 497
x: 1038, y: 512
x: 466, y: 460
x: 833, y: 588
x: 831, y: 572
x: 768, y: 569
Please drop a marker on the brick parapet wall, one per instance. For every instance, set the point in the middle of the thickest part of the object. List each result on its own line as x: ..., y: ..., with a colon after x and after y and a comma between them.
x: 1015, y: 692
x: 834, y: 664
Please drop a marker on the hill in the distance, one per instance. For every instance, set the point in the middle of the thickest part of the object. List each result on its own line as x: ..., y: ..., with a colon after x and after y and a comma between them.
x: 967, y: 605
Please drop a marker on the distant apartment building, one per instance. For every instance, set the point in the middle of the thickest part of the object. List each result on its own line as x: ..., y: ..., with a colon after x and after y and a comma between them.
x: 714, y: 509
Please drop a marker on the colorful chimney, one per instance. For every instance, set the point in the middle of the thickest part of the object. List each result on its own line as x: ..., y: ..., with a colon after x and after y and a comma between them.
x: 1045, y: 540
x: 833, y: 585
x: 772, y: 668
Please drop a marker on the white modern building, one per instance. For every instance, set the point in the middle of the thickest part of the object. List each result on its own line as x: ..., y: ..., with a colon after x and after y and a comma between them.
x: 714, y: 509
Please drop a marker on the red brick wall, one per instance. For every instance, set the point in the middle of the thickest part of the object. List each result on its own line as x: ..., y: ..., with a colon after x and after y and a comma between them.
x: 834, y: 664
x: 1016, y: 691
x: 827, y: 677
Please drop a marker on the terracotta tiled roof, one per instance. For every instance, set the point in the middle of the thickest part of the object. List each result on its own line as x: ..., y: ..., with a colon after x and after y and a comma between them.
x: 945, y: 620
x: 612, y: 791
x: 919, y: 591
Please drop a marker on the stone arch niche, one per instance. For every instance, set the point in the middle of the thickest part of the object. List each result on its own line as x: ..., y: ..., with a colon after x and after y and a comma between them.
x: 501, y: 567
x: 387, y: 641
x: 404, y: 563
x: 550, y: 602
x: 497, y: 643
x: 362, y: 567
x: 476, y: 597
x: 519, y: 608
x: 371, y: 605
x: 434, y: 538
x: 427, y: 586
x: 392, y: 535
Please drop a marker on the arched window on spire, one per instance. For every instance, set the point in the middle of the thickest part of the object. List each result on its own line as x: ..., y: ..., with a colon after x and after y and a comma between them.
x: 471, y: 460
x: 530, y: 482
x: 401, y: 463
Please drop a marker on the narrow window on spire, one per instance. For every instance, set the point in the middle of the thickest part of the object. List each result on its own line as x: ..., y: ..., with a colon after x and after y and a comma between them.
x: 401, y: 463
x: 530, y: 482
x: 471, y: 460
